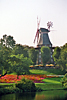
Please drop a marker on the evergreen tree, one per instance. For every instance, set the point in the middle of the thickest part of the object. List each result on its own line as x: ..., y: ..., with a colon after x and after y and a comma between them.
x: 45, y: 54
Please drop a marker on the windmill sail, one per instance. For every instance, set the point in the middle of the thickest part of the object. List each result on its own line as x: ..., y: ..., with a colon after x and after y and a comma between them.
x: 37, y: 33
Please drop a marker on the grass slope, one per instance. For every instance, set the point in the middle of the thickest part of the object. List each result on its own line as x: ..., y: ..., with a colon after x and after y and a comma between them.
x: 52, y: 80
x: 50, y: 84
x: 51, y: 71
x: 46, y: 86
x: 7, y: 85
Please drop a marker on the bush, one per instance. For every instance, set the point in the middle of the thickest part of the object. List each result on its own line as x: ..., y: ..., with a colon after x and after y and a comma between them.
x: 9, y: 90
x: 6, y: 91
x: 64, y: 81
x: 26, y: 85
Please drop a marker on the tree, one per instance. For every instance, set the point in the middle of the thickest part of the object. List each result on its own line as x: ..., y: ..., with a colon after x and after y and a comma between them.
x: 1, y: 42
x: 33, y: 55
x: 10, y: 41
x: 7, y: 41
x: 19, y: 49
x: 62, y: 61
x: 64, y: 81
x: 64, y: 46
x: 60, y: 57
x: 20, y: 64
x: 45, y: 54
x: 56, y: 53
x: 4, y: 57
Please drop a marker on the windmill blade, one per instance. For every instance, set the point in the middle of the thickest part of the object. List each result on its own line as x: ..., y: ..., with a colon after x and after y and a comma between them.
x: 49, y: 24
x: 37, y: 33
x: 36, y: 36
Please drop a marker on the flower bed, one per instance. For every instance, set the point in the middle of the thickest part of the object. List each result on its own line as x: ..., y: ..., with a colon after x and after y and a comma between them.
x: 13, y: 78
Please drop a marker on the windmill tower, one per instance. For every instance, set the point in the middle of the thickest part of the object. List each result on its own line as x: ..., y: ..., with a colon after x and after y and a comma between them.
x: 43, y: 40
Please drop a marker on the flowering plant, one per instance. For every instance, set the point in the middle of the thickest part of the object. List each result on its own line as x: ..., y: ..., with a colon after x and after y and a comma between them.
x: 13, y: 78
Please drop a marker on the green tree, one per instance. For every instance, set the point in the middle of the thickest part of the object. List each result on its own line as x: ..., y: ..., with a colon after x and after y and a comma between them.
x: 19, y: 49
x: 56, y: 53
x: 20, y: 64
x: 62, y: 61
x: 60, y: 57
x: 33, y: 55
x: 45, y: 54
x: 0, y: 46
x: 64, y: 81
x: 4, y: 57
x: 1, y: 42
x: 7, y: 41
x: 64, y: 46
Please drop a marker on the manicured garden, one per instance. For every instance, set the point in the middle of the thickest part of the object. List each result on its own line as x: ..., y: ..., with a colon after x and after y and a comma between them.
x: 41, y: 81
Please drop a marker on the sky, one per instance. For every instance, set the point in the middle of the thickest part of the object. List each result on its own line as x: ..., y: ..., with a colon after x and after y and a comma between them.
x: 18, y: 18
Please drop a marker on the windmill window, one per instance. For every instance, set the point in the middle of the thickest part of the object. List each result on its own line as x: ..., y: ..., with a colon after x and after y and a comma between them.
x: 51, y: 56
x: 39, y: 60
x: 51, y: 52
x: 39, y: 52
x: 50, y: 45
x: 39, y: 56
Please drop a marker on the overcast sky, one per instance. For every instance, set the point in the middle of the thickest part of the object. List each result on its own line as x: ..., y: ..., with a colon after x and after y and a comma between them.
x: 18, y: 18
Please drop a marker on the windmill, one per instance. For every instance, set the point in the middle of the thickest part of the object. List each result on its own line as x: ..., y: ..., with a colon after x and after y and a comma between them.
x: 49, y: 24
x: 43, y: 39
x: 37, y: 33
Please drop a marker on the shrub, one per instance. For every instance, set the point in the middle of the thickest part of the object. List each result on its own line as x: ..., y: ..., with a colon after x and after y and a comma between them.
x: 64, y: 81
x: 7, y: 90
x: 26, y: 85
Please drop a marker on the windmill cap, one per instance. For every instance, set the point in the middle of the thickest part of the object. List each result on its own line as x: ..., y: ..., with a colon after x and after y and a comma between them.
x: 44, y: 30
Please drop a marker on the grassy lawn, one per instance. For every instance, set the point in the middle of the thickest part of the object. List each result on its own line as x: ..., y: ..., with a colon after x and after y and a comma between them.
x: 50, y: 86
x: 47, y: 71
x: 7, y: 85
x: 52, y: 80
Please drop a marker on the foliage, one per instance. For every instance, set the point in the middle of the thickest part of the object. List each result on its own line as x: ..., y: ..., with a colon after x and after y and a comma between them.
x: 26, y: 85
x: 14, y: 57
x: 19, y: 49
x: 9, y: 89
x: 4, y: 57
x: 64, y: 46
x: 7, y: 41
x: 64, y: 81
x: 56, y: 53
x: 62, y: 61
x: 20, y: 64
x: 60, y: 57
x: 33, y: 55
x: 17, y: 63
x: 45, y: 53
